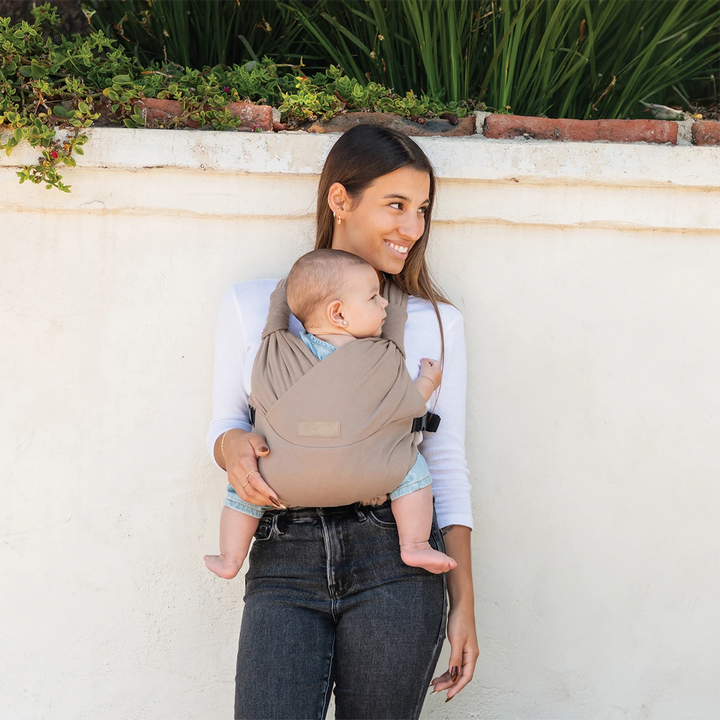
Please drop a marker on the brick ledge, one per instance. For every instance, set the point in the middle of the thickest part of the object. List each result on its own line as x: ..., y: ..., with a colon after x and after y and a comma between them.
x: 506, y: 127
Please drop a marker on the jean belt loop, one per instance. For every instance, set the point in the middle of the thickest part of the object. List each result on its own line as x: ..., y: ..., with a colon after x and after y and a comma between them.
x: 276, y: 522
x: 359, y: 512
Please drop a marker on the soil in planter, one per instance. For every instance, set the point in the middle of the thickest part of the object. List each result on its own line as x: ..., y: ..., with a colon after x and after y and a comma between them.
x: 709, y: 112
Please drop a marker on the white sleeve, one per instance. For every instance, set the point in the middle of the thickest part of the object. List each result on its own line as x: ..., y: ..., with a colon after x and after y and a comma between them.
x: 444, y: 450
x: 229, y: 398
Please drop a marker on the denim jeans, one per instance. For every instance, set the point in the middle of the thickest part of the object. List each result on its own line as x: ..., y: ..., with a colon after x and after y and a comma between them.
x: 330, y: 607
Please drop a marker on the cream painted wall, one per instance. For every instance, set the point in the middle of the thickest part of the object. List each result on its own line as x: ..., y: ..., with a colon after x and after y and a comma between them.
x: 589, y: 277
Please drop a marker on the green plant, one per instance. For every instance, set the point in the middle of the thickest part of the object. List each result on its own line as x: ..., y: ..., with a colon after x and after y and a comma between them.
x: 593, y: 58
x: 332, y: 92
x: 430, y: 46
x: 47, y: 86
x: 70, y: 84
x: 195, y: 33
x: 565, y: 58
x: 40, y: 91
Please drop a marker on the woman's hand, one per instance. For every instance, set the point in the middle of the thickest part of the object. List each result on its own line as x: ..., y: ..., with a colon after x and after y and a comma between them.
x: 239, y: 452
x: 461, y: 619
x: 463, y: 652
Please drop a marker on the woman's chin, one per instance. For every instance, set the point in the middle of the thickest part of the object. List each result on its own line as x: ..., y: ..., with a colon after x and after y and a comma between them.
x: 393, y: 266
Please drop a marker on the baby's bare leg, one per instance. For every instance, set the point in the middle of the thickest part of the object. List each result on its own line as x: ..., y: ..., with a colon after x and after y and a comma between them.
x: 413, y: 515
x: 236, y: 533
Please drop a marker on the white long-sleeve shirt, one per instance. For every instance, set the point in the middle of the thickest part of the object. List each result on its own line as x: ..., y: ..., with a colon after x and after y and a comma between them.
x: 241, y: 319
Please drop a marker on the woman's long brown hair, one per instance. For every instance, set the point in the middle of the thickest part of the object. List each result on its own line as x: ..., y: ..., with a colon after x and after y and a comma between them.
x: 363, y: 154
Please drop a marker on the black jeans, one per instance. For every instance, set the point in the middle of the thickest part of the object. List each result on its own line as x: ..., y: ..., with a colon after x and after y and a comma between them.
x: 328, y: 602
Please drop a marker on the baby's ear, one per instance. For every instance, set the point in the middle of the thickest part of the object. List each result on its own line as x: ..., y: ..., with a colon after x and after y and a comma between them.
x: 335, y: 313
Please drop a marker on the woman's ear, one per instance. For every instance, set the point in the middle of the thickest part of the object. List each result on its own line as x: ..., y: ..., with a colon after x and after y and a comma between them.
x: 335, y: 314
x: 338, y: 198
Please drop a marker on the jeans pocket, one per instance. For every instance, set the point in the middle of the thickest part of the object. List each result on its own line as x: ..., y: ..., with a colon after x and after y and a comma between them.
x: 382, y: 516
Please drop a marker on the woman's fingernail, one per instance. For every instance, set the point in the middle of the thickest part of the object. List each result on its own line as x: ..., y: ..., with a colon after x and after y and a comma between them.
x: 454, y: 673
x: 449, y: 699
x: 264, y: 448
x: 275, y: 502
x: 433, y: 692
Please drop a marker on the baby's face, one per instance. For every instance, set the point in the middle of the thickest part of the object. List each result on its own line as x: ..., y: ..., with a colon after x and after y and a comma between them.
x: 363, y: 305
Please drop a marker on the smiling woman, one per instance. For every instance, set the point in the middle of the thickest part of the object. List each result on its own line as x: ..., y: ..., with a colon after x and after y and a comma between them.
x: 346, y: 601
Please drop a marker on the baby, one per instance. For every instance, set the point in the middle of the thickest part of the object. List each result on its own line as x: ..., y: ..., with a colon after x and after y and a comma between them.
x: 336, y: 296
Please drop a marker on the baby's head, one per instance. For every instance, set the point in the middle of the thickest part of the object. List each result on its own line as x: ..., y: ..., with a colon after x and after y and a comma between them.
x: 333, y: 291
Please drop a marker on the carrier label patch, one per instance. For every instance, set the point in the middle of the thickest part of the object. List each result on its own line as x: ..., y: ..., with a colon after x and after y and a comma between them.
x: 319, y: 428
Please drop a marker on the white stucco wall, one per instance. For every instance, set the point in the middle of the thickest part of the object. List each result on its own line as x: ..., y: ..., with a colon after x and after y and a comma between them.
x: 589, y: 277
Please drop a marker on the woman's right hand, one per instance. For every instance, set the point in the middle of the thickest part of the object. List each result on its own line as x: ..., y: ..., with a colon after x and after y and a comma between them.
x: 239, y: 452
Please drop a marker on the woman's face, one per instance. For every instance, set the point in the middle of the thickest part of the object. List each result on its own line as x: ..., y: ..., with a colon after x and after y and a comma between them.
x: 386, y: 221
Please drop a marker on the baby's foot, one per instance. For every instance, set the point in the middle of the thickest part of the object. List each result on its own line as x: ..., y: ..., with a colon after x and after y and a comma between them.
x: 223, y: 566
x: 422, y: 555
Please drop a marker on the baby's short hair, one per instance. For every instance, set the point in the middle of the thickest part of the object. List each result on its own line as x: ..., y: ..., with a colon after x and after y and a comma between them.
x: 319, y: 277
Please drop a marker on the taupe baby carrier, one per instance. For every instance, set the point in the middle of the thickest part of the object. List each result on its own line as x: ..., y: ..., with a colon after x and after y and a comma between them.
x: 339, y: 430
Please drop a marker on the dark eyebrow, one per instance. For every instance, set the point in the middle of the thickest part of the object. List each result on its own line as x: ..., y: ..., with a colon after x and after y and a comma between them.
x: 402, y: 197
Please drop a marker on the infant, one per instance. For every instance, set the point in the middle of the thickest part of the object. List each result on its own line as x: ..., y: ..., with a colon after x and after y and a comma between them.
x: 336, y: 296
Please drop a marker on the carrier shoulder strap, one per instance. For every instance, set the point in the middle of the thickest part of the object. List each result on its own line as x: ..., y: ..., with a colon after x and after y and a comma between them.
x: 394, y: 327
x: 279, y: 313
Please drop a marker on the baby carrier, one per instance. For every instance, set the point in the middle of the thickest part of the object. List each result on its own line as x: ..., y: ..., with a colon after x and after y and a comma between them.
x: 342, y: 429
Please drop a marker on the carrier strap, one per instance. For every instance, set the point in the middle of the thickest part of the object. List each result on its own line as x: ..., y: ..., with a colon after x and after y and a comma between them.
x: 427, y: 423
x: 394, y: 327
x: 279, y: 313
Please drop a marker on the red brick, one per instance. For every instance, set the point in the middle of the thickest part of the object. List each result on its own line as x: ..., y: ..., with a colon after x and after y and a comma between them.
x: 253, y: 116
x: 706, y: 132
x: 510, y: 126
x: 163, y: 112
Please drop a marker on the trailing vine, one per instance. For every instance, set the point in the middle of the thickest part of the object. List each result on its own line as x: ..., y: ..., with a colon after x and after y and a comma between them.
x: 73, y: 84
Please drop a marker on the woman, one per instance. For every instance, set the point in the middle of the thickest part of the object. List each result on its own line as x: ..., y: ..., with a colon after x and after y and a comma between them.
x: 329, y: 606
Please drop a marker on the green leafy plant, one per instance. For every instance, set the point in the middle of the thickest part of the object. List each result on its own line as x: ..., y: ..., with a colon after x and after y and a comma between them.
x: 195, y: 33
x: 589, y: 58
x: 71, y: 84
x: 565, y: 58
x: 331, y: 93
x: 430, y: 46
x: 39, y: 94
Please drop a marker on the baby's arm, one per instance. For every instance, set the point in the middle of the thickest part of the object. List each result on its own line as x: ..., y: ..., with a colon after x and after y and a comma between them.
x: 429, y: 378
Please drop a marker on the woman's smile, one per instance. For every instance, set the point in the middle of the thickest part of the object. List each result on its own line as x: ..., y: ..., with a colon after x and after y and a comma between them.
x: 398, y: 250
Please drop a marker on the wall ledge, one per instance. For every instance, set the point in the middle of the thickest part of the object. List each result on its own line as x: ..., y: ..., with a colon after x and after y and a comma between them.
x: 462, y: 158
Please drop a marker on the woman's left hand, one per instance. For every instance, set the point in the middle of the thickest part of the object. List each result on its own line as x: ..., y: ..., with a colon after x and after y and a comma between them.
x: 464, y: 652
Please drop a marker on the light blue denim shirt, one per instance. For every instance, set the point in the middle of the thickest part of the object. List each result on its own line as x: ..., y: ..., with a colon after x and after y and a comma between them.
x: 319, y: 348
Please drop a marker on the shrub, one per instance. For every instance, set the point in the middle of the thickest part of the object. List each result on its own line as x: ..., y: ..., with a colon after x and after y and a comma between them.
x: 75, y: 82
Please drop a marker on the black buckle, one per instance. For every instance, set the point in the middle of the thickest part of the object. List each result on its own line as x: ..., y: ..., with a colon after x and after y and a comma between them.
x: 427, y: 423
x: 252, y: 415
